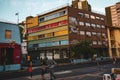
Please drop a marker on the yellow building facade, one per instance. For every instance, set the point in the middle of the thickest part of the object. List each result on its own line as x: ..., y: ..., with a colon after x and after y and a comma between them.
x: 51, y: 31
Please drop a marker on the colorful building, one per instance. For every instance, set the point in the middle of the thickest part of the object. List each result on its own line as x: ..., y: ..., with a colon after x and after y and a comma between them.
x: 113, y: 21
x: 10, y: 47
x: 58, y: 29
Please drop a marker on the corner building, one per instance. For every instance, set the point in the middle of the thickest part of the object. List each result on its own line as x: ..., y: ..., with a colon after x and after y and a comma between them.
x: 59, y: 29
x: 113, y: 21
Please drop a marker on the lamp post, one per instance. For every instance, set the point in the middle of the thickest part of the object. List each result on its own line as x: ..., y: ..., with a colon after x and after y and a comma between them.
x: 17, y: 14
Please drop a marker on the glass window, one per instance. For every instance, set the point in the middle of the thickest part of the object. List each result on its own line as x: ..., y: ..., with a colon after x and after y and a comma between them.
x: 93, y: 25
x: 87, y: 24
x: 102, y: 18
x: 30, y: 45
x: 82, y: 32
x: 35, y: 45
x: 98, y: 34
x: 103, y: 26
x: 64, y: 42
x: 41, y: 36
x: 103, y: 34
x: 88, y: 33
x: 42, y: 44
x: 62, y: 13
x: 94, y: 42
x: 41, y: 19
x: 55, y: 43
x: 92, y: 17
x: 98, y: 26
x: 94, y: 33
x: 99, y: 43
x: 49, y: 44
x: 97, y: 17
x: 8, y: 34
x: 80, y: 14
x: 81, y: 23
x: 86, y: 15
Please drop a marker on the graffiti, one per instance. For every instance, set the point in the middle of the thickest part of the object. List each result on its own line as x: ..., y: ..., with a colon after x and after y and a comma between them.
x: 73, y: 24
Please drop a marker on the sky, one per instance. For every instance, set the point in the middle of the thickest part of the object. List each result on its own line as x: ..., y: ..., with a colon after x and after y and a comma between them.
x: 8, y: 8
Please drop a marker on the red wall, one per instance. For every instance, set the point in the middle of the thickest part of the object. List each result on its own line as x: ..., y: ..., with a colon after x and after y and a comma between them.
x: 16, y: 51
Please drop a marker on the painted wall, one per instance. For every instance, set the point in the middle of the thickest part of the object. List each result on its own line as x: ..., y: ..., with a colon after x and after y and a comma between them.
x: 31, y: 22
x: 15, y: 33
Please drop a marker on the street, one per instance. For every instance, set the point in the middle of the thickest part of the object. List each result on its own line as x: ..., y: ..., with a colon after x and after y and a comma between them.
x: 83, y: 73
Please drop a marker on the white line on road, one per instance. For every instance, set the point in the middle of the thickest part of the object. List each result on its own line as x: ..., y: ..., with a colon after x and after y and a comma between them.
x: 63, y: 72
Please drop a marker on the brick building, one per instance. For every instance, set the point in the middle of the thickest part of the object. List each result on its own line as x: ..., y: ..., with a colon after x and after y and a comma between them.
x: 54, y: 31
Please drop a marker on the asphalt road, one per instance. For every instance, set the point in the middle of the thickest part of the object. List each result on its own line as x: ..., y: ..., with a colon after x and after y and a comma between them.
x: 86, y: 71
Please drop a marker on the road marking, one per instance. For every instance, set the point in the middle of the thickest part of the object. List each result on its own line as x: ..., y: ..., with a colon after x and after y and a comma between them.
x: 63, y: 72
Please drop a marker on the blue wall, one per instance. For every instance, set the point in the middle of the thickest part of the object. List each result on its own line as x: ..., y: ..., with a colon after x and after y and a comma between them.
x: 15, y: 32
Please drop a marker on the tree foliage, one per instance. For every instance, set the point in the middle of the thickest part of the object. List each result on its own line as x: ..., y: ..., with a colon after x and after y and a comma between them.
x: 83, y: 48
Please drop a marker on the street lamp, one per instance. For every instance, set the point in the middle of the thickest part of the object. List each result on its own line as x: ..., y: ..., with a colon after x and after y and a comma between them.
x: 17, y: 14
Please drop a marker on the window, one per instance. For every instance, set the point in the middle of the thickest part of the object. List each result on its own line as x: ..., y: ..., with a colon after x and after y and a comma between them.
x: 102, y: 18
x: 41, y: 19
x: 87, y: 24
x: 86, y: 15
x: 64, y: 42
x: 97, y: 17
x: 55, y: 43
x: 98, y: 26
x: 82, y: 33
x: 81, y: 23
x: 99, y: 43
x: 42, y: 44
x: 98, y: 34
x: 54, y: 15
x: 30, y: 45
x: 103, y: 26
x: 105, y: 43
x: 62, y: 13
x: 93, y: 25
x: 103, y: 34
x: 94, y: 33
x: 94, y: 42
x: 41, y: 36
x: 35, y: 45
x: 80, y: 14
x: 49, y: 44
x: 92, y: 17
x: 8, y: 34
x: 88, y: 34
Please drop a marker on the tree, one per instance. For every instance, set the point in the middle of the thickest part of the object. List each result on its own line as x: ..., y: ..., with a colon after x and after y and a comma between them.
x: 83, y: 48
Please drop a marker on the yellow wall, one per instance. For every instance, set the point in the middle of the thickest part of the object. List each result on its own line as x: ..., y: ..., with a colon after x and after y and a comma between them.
x: 62, y: 32
x: 48, y: 35
x: 32, y: 38
x: 32, y: 22
x: 53, y: 20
